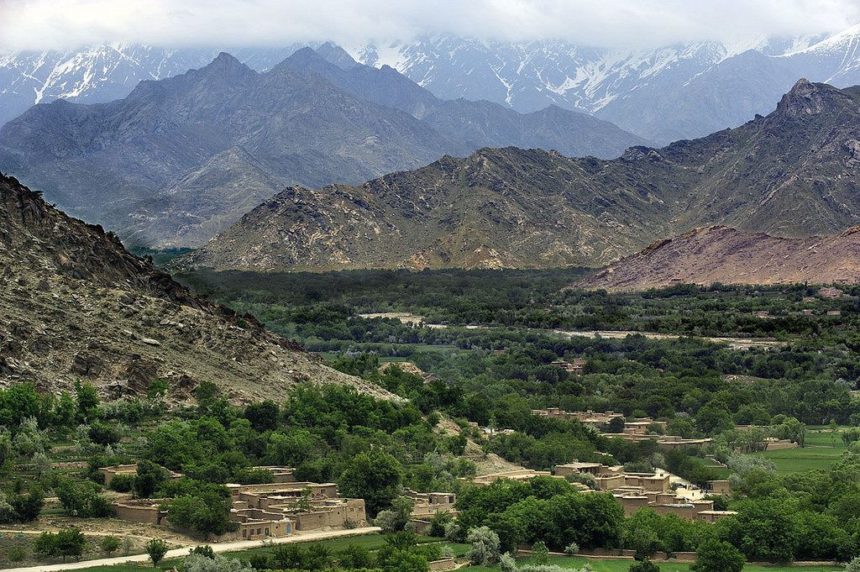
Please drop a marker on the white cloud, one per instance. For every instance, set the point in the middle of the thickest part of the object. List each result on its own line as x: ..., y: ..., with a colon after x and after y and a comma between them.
x: 38, y: 24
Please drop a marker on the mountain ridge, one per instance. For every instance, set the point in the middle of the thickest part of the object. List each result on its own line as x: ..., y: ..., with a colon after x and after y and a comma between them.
x: 134, y: 164
x: 793, y: 173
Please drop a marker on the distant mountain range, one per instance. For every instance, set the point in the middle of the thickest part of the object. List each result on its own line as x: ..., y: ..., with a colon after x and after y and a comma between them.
x: 794, y: 172
x: 180, y: 159
x: 99, y: 74
x: 664, y: 94
x: 720, y: 254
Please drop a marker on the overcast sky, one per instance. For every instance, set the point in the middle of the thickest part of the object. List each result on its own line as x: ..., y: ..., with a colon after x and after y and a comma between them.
x: 41, y: 24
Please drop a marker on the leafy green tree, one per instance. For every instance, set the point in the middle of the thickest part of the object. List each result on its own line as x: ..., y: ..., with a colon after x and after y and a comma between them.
x: 288, y: 557
x: 104, y: 433
x: 156, y: 549
x: 82, y: 499
x: 122, y: 483
x: 204, y: 550
x: 714, y: 418
x: 395, y: 518
x: 206, y: 512
x: 17, y: 403
x: 148, y: 478
x: 484, y: 546
x: 374, y: 476
x: 263, y: 416
x: 540, y: 553
x: 45, y: 545
x: 28, y: 506
x: 201, y: 563
x: 764, y: 529
x: 355, y: 556
x: 70, y: 542
x: 64, y: 411
x: 110, y: 544
x: 293, y: 448
x: 717, y: 556
x: 88, y: 401
x: 616, y: 425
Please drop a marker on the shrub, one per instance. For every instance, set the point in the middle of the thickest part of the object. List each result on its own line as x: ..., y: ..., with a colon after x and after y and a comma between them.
x: 201, y: 563
x: 82, y: 499
x: 16, y: 554
x: 485, y: 546
x: 507, y: 563
x: 156, y: 548
x: 717, y: 556
x: 122, y: 483
x: 438, y: 523
x: 572, y: 549
x: 644, y: 565
x: 205, y: 550
x: 540, y: 553
x: 66, y: 542
x: 110, y: 544
x: 453, y: 531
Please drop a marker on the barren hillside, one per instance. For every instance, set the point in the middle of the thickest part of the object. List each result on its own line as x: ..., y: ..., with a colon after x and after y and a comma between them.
x: 74, y: 304
x: 722, y: 254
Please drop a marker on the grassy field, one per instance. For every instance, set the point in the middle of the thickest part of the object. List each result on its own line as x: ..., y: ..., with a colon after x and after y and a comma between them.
x: 622, y: 565
x: 823, y: 448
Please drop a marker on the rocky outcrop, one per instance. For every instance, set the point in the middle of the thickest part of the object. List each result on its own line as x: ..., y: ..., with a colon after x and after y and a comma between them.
x: 74, y: 304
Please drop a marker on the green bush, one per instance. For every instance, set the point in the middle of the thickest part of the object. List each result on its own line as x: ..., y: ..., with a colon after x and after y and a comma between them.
x: 122, y: 483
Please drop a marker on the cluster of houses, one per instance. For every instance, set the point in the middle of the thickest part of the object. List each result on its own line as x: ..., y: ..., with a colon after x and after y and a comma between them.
x: 639, y: 429
x: 651, y: 490
x: 283, y: 506
x: 268, y: 510
x: 632, y: 490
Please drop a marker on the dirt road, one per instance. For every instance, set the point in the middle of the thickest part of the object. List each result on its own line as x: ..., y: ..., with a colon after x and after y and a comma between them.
x: 183, y: 551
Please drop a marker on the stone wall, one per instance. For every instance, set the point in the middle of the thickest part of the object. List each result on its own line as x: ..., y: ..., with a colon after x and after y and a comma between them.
x: 139, y: 511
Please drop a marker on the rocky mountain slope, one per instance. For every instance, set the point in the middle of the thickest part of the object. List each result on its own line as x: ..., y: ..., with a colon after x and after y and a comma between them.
x: 182, y: 158
x: 74, y: 304
x: 793, y: 173
x: 663, y: 94
x: 722, y: 254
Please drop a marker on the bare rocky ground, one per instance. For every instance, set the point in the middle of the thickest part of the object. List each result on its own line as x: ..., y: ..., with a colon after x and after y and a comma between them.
x: 721, y: 254
x: 75, y: 305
